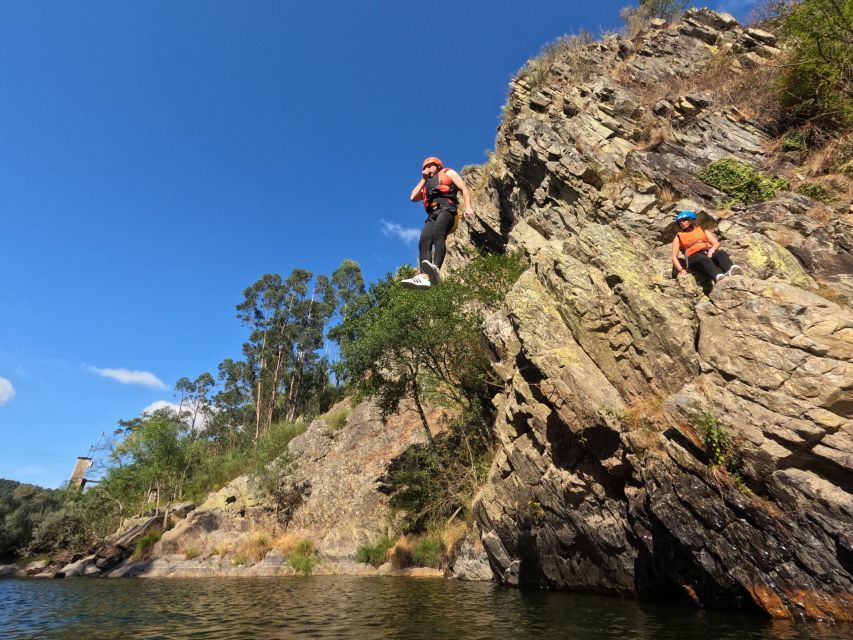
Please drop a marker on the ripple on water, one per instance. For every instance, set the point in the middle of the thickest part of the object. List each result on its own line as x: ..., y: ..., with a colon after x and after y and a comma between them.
x: 353, y: 607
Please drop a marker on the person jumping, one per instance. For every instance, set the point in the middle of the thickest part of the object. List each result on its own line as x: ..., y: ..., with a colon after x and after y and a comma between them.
x: 439, y: 190
x: 701, y: 249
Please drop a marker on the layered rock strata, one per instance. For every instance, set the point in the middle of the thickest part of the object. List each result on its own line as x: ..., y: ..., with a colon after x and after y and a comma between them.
x: 661, y: 435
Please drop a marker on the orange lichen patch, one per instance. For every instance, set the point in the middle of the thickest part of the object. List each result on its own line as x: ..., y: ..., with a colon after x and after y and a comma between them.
x: 691, y: 593
x: 818, y: 605
x: 814, y: 605
x: 770, y: 601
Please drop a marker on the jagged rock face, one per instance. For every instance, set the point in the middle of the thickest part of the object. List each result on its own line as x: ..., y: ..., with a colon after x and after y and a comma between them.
x: 335, y: 476
x: 615, y: 372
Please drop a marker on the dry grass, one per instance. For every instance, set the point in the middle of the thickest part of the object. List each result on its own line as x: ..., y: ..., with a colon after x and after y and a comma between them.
x: 656, y: 132
x: 667, y: 195
x: 286, y: 542
x: 751, y: 90
x: 645, y: 413
x: 256, y: 546
x: 566, y: 48
x: 400, y: 554
x: 451, y: 534
x: 831, y: 156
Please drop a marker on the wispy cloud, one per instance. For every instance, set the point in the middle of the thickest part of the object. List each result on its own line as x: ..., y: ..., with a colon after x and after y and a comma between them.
x: 7, y: 391
x: 188, y: 408
x: 406, y: 234
x: 128, y: 376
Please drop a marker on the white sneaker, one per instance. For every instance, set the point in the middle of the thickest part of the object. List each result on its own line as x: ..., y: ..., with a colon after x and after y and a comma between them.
x: 720, y: 277
x: 420, y: 281
x: 431, y: 271
x: 735, y: 271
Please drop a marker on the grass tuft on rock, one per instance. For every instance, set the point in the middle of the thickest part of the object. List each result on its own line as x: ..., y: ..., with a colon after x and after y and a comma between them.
x: 144, y: 543
x: 377, y: 554
x: 303, y: 558
x: 742, y: 182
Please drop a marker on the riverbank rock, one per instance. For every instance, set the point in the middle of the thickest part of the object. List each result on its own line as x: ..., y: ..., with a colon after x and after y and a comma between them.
x: 329, y: 488
x: 663, y: 436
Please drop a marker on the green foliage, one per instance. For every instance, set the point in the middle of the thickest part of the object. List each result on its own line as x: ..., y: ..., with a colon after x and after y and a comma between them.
x: 816, y: 192
x: 191, y: 553
x: 336, y: 420
x: 238, y: 559
x: 720, y: 450
x: 303, y: 558
x: 426, y: 552
x: 817, y: 85
x: 741, y: 181
x: 424, y: 346
x: 23, y: 507
x: 145, y: 542
x: 799, y: 140
x: 375, y: 555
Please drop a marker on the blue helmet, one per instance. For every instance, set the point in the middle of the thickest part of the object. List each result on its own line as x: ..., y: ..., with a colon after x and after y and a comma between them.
x: 685, y: 215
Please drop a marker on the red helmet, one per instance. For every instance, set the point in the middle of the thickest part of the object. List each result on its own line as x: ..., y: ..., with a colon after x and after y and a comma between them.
x: 432, y: 160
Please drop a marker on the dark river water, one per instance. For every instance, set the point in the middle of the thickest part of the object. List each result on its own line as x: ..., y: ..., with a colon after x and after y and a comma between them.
x: 350, y: 607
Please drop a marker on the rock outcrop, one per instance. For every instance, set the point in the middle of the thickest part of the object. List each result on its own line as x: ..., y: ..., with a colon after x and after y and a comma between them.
x: 329, y: 488
x: 663, y: 436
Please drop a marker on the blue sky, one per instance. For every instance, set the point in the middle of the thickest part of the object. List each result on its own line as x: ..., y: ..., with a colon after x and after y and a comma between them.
x: 158, y: 157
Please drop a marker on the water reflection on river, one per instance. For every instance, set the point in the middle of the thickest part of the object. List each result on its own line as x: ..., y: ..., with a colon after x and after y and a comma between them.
x: 349, y: 607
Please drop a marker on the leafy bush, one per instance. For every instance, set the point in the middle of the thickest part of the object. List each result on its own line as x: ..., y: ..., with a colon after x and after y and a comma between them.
x: 303, y: 558
x: 741, y: 181
x: 426, y: 552
x: 816, y: 192
x: 720, y: 450
x: 192, y: 552
x: 377, y: 554
x: 238, y: 560
x: 817, y: 85
x: 799, y: 140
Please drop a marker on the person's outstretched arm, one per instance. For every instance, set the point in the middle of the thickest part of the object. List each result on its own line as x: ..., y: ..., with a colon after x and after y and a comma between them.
x: 466, y: 195
x: 675, y: 263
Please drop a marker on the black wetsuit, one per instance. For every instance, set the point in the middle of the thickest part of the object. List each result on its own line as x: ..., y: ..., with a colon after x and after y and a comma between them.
x: 441, y: 213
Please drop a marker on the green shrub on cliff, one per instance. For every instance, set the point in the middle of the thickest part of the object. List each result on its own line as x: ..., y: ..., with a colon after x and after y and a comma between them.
x: 303, y: 558
x: 424, y: 347
x: 741, y: 181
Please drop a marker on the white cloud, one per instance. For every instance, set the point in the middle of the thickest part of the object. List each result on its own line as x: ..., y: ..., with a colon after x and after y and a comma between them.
x: 127, y: 376
x: 405, y: 234
x: 189, y: 407
x: 7, y: 391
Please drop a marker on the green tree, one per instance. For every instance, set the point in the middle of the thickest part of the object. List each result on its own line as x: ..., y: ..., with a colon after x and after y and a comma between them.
x: 817, y: 87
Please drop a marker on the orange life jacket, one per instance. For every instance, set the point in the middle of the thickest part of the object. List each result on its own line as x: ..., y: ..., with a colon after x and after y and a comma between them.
x: 437, y: 188
x: 693, y: 241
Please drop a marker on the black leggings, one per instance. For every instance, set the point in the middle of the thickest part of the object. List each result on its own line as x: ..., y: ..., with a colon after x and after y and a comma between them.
x: 435, y: 231
x: 713, y: 266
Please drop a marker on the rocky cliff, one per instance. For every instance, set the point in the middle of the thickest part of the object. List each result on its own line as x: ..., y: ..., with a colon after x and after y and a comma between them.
x: 661, y: 436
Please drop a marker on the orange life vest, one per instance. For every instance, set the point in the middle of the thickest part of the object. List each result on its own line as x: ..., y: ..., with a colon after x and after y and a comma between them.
x: 693, y: 241
x: 437, y: 188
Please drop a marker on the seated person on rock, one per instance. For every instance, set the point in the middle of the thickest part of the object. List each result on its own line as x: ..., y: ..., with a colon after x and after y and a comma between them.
x: 701, y: 250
